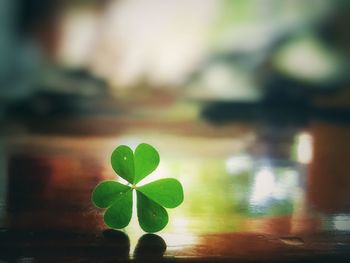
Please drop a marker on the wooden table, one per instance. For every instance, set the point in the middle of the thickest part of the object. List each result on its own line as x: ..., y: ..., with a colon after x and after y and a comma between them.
x: 253, y: 193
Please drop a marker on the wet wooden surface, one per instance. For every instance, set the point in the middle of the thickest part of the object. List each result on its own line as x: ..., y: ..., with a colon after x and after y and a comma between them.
x: 253, y: 194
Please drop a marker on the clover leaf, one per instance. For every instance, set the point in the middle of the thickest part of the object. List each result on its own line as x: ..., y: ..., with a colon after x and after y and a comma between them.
x: 152, y: 198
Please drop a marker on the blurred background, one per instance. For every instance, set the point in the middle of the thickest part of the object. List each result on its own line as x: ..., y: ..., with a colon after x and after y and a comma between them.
x: 248, y: 102
x: 84, y: 58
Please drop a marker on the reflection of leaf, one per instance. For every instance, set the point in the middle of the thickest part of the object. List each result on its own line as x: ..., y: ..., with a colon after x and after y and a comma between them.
x: 151, y: 198
x: 150, y: 247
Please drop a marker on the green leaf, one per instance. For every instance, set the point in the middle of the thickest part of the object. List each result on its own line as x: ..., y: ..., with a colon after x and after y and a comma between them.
x: 106, y: 193
x: 166, y: 192
x: 152, y: 217
x: 122, y: 161
x: 118, y: 215
x: 151, y: 198
x: 146, y: 161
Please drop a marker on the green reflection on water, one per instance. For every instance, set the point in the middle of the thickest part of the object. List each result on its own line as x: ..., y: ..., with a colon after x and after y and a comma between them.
x: 217, y: 201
